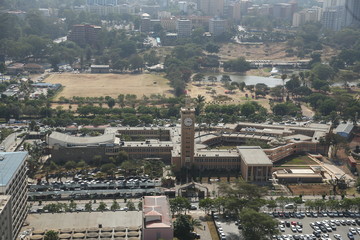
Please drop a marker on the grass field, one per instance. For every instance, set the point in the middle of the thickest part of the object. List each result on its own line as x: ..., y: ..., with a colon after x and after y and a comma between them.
x: 96, y: 85
x: 296, y: 160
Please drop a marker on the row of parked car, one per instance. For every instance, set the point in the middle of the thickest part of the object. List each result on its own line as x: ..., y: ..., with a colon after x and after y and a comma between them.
x: 70, y: 185
x: 348, y: 214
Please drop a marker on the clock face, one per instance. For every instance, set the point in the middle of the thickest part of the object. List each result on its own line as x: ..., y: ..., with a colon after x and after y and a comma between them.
x: 188, y: 122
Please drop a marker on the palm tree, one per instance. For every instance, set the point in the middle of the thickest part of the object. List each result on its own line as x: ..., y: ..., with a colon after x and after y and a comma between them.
x: 283, y: 77
x: 195, y: 223
x: 199, y: 103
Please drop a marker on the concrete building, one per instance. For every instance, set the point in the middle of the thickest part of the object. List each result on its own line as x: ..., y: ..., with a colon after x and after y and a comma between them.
x: 5, y: 218
x: 103, y: 10
x: 157, y: 218
x: 183, y: 27
x: 283, y: 10
x: 344, y: 129
x: 145, y: 23
x: 100, y: 68
x: 84, y: 34
x: 181, y: 147
x: 307, y: 15
x: 13, y: 182
x: 255, y: 164
x: 217, y: 26
x: 211, y: 7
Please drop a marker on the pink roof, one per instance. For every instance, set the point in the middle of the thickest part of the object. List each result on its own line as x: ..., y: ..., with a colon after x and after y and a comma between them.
x: 157, y: 206
x: 153, y: 213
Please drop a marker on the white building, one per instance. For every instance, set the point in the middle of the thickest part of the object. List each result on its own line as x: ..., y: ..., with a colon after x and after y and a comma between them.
x: 13, y: 182
x: 307, y: 15
x: 5, y: 218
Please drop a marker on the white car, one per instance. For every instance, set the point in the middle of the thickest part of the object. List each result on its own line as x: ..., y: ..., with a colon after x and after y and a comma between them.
x: 299, y: 229
x: 337, y: 236
x: 352, y: 230
x: 282, y: 228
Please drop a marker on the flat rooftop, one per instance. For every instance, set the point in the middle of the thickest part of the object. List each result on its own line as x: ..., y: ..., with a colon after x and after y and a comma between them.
x: 10, y: 162
x: 254, y: 155
x: 84, y: 220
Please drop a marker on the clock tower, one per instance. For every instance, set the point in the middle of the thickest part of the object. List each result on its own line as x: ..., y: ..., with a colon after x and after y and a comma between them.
x: 187, y: 136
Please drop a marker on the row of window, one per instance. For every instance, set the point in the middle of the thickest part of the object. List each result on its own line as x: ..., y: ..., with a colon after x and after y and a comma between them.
x: 232, y: 160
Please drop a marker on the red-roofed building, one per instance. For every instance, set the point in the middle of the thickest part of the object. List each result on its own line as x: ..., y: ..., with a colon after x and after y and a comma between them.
x: 157, y: 218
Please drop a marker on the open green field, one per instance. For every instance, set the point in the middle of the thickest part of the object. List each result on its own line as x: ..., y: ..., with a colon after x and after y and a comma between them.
x: 300, y: 160
x: 96, y: 85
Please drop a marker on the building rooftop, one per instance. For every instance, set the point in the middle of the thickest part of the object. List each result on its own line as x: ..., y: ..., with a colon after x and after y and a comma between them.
x: 253, y: 155
x: 66, y: 140
x: 158, y: 207
x: 10, y: 162
x: 345, y: 128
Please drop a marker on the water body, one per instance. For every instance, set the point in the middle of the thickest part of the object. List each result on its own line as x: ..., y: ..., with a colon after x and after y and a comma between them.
x: 269, y: 81
x: 252, y: 80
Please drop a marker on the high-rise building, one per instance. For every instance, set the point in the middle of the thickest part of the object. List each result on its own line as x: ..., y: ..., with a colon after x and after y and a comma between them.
x: 307, y: 15
x: 13, y: 182
x: 283, y: 10
x: 84, y: 34
x: 211, y: 7
x: 352, y: 11
x: 5, y: 218
x: 217, y: 26
x: 183, y: 27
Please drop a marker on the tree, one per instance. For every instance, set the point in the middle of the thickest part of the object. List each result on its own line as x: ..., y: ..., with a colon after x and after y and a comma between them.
x: 247, y: 109
x: 114, y: 206
x: 199, y: 77
x: 131, y: 206
x: 182, y: 227
x: 108, y: 168
x: 206, y: 204
x: 111, y: 102
x: 225, y: 79
x: 257, y: 225
x: 322, y: 71
x: 72, y: 205
x: 212, y: 48
x: 101, y: 207
x: 51, y: 235
x: 70, y: 165
x: 237, y: 65
x: 179, y: 205
x: 136, y: 62
x: 88, y: 206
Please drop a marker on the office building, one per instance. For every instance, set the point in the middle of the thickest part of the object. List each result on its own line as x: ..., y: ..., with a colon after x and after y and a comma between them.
x: 183, y: 27
x: 84, y: 34
x: 211, y: 7
x: 217, y: 26
x: 5, y: 218
x: 283, y: 10
x: 13, y: 182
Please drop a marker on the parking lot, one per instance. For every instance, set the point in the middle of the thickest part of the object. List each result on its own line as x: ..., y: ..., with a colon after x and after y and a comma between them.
x: 306, y: 226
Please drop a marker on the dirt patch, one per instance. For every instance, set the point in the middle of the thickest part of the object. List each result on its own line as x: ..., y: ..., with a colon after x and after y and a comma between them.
x: 270, y: 51
x: 211, y: 91
x: 310, y: 189
x: 96, y: 85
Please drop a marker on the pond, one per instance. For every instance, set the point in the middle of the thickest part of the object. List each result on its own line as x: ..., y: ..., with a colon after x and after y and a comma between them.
x: 269, y: 81
x: 251, y: 80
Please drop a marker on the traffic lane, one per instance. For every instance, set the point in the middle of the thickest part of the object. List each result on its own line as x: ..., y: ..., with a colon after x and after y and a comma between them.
x: 307, y: 229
